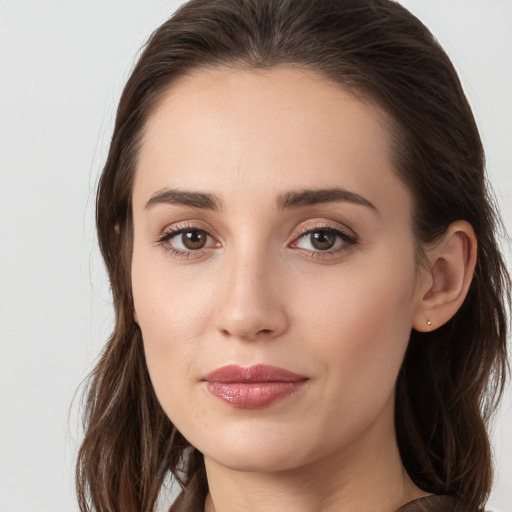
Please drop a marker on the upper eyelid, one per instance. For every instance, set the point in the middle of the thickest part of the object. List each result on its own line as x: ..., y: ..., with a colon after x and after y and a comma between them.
x: 345, y: 237
x: 303, y: 229
x: 178, y: 227
x: 181, y: 226
x: 327, y: 225
x: 308, y: 229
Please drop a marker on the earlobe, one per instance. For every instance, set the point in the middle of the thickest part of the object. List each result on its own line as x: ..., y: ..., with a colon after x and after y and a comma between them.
x: 451, y: 266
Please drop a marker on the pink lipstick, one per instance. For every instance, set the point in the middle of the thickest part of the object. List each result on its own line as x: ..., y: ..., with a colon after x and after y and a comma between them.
x: 252, y: 387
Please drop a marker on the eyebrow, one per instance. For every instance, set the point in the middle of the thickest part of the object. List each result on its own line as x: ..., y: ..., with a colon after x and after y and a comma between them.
x: 185, y: 198
x: 288, y: 200
x: 297, y: 199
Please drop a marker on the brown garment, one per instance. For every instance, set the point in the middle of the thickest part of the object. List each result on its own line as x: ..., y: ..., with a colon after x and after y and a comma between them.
x: 430, y: 504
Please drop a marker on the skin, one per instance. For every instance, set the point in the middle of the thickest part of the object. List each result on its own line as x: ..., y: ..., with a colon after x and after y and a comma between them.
x: 260, y: 292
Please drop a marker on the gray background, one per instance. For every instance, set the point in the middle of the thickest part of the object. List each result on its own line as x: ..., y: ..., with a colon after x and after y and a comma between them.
x: 62, y: 67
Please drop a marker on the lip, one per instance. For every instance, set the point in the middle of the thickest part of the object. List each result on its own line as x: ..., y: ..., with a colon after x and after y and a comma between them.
x: 252, y: 387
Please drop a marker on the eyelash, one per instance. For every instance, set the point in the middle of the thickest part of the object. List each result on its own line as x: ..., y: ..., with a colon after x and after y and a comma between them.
x: 348, y: 240
x: 175, y: 231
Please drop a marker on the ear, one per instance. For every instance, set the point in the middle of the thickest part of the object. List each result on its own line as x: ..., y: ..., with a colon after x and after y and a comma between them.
x: 445, y: 283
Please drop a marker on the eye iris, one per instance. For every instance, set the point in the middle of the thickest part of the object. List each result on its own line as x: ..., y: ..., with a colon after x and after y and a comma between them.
x: 194, y: 239
x: 323, y: 240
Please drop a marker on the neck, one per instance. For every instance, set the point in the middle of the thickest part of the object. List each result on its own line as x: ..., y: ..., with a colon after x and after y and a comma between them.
x: 368, y: 476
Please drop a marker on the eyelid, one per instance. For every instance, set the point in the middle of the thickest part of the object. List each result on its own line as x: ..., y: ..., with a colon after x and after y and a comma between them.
x: 325, y: 225
x: 192, y: 224
x: 175, y: 229
x: 349, y: 239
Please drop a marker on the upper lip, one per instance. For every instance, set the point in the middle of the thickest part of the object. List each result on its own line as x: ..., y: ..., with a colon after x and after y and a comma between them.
x: 255, y: 373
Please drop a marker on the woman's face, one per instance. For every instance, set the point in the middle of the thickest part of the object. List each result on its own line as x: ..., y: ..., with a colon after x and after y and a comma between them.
x: 274, y: 274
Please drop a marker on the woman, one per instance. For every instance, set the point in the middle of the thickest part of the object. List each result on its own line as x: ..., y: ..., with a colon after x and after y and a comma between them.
x: 310, y: 301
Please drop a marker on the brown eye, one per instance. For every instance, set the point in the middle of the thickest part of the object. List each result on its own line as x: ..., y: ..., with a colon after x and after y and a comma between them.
x: 323, y: 240
x: 183, y: 242
x: 194, y: 239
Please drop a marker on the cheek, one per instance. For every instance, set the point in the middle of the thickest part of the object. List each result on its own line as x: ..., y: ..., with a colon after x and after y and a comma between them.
x: 171, y: 310
x: 361, y: 322
x: 171, y: 303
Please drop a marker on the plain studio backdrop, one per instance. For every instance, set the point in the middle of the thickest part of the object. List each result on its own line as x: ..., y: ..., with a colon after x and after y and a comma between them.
x: 62, y: 68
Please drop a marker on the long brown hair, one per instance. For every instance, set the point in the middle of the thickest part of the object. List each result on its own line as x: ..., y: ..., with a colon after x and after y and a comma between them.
x: 451, y: 379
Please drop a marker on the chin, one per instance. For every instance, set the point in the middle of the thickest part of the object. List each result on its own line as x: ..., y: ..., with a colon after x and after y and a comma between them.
x: 253, y: 461
x: 256, y: 451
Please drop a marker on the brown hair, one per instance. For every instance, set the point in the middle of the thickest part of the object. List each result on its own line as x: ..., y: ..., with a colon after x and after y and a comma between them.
x: 451, y: 379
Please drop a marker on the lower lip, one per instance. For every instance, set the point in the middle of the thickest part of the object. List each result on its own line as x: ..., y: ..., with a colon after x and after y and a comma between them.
x: 253, y: 395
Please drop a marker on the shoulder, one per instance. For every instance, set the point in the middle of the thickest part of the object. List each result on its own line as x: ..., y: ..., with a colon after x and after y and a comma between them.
x: 431, y: 504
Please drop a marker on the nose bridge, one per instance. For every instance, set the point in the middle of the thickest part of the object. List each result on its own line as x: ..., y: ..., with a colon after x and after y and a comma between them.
x: 250, y: 299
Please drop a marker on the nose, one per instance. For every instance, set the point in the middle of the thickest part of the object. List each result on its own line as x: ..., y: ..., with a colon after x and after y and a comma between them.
x: 251, y: 299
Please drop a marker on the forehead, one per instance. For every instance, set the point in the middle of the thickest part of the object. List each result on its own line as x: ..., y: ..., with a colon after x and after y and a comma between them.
x: 284, y: 127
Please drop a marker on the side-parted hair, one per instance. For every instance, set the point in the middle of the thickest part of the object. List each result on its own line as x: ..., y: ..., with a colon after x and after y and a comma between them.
x: 451, y: 379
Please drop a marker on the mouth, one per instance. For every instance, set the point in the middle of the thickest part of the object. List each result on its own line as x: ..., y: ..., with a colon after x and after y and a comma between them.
x: 253, y: 387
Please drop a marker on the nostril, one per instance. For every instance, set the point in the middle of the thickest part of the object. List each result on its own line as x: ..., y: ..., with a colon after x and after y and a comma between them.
x: 250, y: 321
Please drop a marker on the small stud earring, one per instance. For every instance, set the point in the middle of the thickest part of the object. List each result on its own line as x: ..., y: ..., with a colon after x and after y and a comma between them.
x: 429, y: 323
